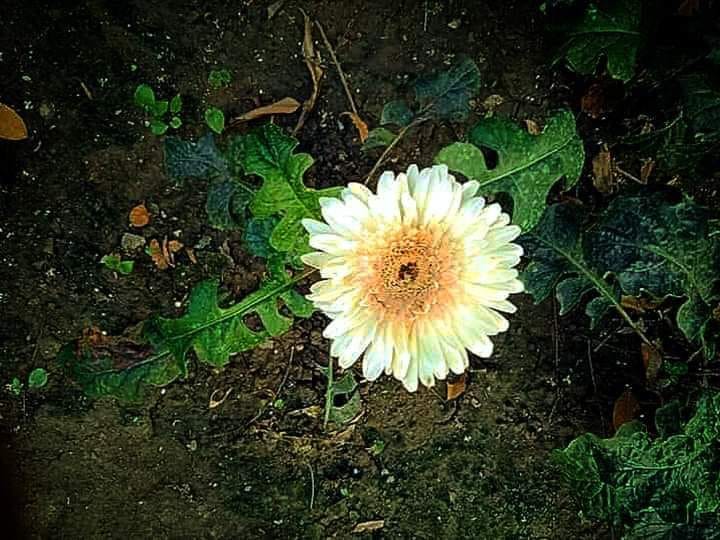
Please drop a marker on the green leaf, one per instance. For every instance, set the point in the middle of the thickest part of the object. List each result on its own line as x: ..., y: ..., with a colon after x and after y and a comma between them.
x: 446, y: 94
x: 176, y: 104
x: 123, y: 368
x: 226, y: 202
x: 144, y: 96
x: 215, y: 333
x: 396, y: 113
x: 257, y: 236
x: 346, y: 388
x: 379, y: 137
x: 219, y: 78
x: 175, y: 122
x: 155, y: 353
x: 187, y: 159
x: 269, y: 153
x: 159, y: 108
x: 666, y: 250
x: 646, y: 487
x: 38, y: 378
x: 158, y: 127
x: 116, y: 264
x: 215, y: 119
x: 610, y: 30
x: 557, y: 262
x: 16, y: 386
x: 528, y: 165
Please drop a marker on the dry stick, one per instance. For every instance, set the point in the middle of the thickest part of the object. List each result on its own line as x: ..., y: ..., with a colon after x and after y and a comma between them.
x: 330, y: 49
x: 312, y: 485
x: 390, y: 147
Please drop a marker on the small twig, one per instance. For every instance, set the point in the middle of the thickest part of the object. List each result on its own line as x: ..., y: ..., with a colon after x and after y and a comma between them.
x: 312, y: 61
x: 312, y: 485
x: 592, y: 367
x: 330, y: 49
x: 628, y: 175
x: 392, y: 145
x: 425, y: 18
x: 556, y: 373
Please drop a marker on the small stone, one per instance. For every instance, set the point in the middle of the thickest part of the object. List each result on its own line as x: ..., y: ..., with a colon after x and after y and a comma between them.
x: 132, y: 242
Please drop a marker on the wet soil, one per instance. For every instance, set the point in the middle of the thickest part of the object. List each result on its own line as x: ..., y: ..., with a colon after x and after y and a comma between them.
x: 173, y: 467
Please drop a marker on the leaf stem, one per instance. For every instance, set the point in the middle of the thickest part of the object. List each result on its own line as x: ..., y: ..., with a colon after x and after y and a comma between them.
x: 329, y: 393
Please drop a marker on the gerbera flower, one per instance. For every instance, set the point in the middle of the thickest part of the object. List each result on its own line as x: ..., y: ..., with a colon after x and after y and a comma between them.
x: 413, y: 276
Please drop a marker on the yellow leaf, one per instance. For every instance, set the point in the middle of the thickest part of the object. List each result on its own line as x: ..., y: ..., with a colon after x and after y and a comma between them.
x: 286, y: 105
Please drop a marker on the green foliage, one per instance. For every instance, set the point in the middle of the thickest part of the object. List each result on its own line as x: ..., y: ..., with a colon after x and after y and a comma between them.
x: 609, y: 29
x: 557, y: 263
x: 344, y: 388
x: 37, y: 379
x: 528, y: 165
x: 215, y: 333
x: 15, y: 386
x: 219, y: 78
x: 187, y: 159
x: 662, y: 488
x: 664, y: 250
x: 268, y: 152
x: 645, y: 243
x: 215, y: 119
x: 144, y: 98
x: 156, y: 353
x: 444, y: 95
x: 116, y: 264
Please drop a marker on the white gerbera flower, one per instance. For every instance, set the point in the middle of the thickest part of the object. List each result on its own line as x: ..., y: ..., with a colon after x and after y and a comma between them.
x: 414, y: 275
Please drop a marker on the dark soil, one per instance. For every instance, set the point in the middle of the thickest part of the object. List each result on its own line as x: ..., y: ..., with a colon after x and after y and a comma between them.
x: 173, y: 467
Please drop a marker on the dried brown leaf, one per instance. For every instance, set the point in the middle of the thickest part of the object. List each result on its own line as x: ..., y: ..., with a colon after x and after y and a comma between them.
x: 625, y: 408
x: 174, y: 246
x: 456, y: 388
x: 532, y: 127
x: 646, y: 170
x: 639, y: 304
x: 603, y: 172
x: 156, y: 253
x: 593, y: 102
x: 359, y: 124
x: 688, y: 8
x: 652, y: 360
x: 313, y: 63
x: 286, y: 105
x: 12, y: 127
x: 368, y: 526
x: 139, y: 216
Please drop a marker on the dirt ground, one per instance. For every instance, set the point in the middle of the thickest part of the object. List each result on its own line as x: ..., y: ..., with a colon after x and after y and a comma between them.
x: 173, y: 467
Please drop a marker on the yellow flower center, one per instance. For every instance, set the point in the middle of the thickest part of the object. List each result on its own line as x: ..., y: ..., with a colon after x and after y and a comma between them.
x: 408, y: 273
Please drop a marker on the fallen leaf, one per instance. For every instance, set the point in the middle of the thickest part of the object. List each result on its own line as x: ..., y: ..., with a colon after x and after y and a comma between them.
x: 286, y: 105
x: 12, y: 127
x: 532, y: 127
x: 139, y: 216
x: 313, y: 63
x: 641, y: 305
x: 646, y: 170
x: 191, y: 255
x: 93, y: 337
x: 359, y: 124
x: 652, y: 360
x: 156, y: 253
x: 174, y: 246
x: 688, y: 8
x: 368, y: 526
x: 593, y: 102
x: 625, y: 408
x: 603, y: 172
x: 456, y: 388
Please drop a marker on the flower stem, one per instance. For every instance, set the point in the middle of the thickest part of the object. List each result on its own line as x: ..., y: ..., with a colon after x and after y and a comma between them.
x: 329, y: 393
x: 392, y: 145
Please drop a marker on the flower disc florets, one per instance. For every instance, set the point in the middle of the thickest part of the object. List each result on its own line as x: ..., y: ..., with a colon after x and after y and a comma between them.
x: 413, y: 275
